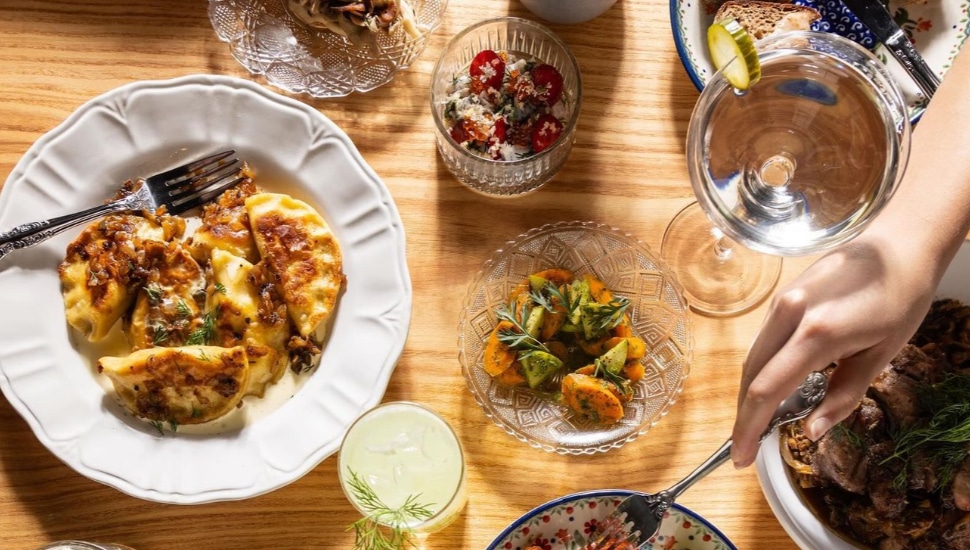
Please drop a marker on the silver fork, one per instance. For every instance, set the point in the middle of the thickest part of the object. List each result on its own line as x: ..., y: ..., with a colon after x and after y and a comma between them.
x: 178, y: 190
x: 637, y: 518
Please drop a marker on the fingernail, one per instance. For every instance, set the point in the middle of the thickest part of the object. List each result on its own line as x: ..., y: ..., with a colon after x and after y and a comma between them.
x: 818, y: 428
x: 734, y: 458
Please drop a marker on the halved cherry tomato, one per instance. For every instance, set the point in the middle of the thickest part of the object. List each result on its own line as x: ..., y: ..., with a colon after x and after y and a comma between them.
x: 545, y: 132
x: 548, y: 83
x: 459, y: 133
x: 499, y: 135
x: 487, y: 70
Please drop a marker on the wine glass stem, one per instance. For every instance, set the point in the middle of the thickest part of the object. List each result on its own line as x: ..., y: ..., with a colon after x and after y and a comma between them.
x: 723, y: 248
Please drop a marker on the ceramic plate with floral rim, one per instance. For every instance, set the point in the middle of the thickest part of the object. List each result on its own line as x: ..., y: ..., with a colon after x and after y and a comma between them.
x: 937, y: 28
x: 566, y: 523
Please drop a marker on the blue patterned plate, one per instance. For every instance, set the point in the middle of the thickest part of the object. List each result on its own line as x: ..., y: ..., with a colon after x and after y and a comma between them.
x: 937, y: 28
x: 566, y: 523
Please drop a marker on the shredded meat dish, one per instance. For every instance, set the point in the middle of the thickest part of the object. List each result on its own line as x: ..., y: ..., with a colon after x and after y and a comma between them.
x: 867, y: 480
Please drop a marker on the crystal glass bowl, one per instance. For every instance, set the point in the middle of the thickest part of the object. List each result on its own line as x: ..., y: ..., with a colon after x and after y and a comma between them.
x: 526, y: 39
x: 267, y: 39
x: 658, y: 315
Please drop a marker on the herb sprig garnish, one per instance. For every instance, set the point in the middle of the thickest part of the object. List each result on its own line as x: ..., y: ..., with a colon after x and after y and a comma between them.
x: 382, y: 527
x: 944, y: 437
x: 518, y: 339
x: 607, y: 316
x: 566, y: 298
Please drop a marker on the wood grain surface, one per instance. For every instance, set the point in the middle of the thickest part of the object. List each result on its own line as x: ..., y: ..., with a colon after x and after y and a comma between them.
x: 627, y: 169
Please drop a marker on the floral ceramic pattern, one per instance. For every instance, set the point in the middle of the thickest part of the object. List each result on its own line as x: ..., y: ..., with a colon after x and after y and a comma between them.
x: 938, y: 29
x: 566, y: 524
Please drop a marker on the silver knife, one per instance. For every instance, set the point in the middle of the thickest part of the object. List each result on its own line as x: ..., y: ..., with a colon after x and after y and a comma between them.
x: 880, y: 22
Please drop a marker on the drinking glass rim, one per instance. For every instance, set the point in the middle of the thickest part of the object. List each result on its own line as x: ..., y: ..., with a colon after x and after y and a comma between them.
x: 885, y: 90
x: 547, y: 33
x: 449, y: 430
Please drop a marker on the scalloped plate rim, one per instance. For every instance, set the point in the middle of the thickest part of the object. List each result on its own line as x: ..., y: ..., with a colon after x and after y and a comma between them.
x: 277, y: 470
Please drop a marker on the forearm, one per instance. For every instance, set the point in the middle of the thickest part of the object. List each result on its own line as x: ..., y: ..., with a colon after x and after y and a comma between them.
x: 929, y: 215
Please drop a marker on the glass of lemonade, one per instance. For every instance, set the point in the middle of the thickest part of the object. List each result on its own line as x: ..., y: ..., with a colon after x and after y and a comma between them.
x: 798, y: 163
x: 404, y: 450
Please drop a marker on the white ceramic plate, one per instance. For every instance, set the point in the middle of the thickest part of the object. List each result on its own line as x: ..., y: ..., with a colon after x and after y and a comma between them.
x: 938, y: 29
x: 801, y: 524
x: 565, y: 523
x: 139, y: 129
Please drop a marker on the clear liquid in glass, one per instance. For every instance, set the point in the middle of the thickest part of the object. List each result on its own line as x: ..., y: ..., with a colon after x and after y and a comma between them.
x: 799, y: 161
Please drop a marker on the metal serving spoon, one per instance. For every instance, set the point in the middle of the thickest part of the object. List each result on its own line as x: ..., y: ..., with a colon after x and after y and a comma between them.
x: 637, y: 518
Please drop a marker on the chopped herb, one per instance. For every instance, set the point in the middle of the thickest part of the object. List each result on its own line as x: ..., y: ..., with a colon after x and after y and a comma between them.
x: 203, y: 356
x: 182, y: 308
x: 154, y: 294
x: 204, y: 333
x: 220, y: 288
x: 159, y: 334
x: 157, y: 424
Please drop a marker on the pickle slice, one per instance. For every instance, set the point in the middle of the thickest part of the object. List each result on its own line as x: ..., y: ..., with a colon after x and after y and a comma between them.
x: 733, y: 53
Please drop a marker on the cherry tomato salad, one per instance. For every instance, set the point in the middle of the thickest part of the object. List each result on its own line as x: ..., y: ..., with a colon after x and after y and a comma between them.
x: 506, y: 107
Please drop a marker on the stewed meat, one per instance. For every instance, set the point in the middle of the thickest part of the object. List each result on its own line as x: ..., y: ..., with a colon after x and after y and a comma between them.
x: 868, y: 479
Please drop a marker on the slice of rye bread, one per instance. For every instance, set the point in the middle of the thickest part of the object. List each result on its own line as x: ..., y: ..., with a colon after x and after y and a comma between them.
x: 711, y: 6
x: 761, y: 19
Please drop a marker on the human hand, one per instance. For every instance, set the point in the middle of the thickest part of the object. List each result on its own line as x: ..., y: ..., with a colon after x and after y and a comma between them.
x: 856, y: 307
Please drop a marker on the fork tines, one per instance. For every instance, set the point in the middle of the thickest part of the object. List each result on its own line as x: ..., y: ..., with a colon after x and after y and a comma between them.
x: 196, y: 183
x: 179, y: 174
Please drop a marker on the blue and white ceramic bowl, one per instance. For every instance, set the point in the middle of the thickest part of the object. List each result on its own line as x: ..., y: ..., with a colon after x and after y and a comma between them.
x: 566, y: 523
x: 937, y: 28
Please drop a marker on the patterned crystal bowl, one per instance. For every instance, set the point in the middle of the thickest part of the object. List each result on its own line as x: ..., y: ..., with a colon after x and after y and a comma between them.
x: 527, y: 39
x: 658, y: 315
x: 268, y: 40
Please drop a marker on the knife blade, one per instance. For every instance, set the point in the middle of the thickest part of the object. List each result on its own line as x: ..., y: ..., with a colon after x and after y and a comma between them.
x: 880, y: 22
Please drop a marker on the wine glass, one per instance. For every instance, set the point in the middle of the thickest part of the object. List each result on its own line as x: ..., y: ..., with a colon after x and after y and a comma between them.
x: 798, y: 163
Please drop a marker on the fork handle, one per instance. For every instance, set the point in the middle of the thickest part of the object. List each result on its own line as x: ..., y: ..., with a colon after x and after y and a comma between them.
x: 32, y: 233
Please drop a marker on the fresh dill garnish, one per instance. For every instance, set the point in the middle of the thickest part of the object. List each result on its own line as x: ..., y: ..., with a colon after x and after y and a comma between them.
x: 203, y: 356
x: 182, y: 308
x: 382, y: 527
x: 154, y: 294
x: 518, y: 339
x: 943, y: 438
x: 157, y: 424
x: 203, y: 333
x: 841, y: 432
x: 159, y: 334
x: 220, y: 288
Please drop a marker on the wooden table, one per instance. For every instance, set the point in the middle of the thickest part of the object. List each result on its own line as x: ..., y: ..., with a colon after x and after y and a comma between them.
x: 627, y: 169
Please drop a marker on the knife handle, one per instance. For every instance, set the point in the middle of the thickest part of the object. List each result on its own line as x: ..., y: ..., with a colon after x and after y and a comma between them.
x: 904, y: 52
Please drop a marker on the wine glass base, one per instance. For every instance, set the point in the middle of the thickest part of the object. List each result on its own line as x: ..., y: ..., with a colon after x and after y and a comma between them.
x: 720, y: 277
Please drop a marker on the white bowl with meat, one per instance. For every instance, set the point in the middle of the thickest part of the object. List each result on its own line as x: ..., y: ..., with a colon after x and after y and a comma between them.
x: 873, y: 481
